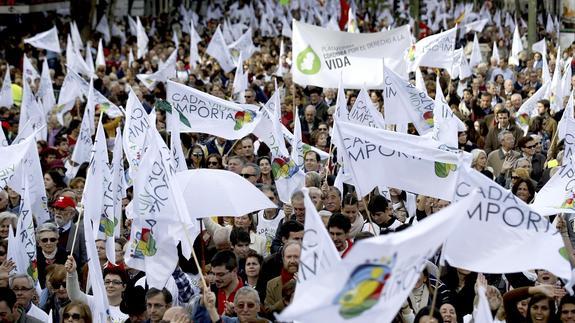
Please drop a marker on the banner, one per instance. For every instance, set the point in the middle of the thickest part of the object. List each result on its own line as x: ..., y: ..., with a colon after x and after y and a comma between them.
x: 135, y: 129
x: 500, y: 219
x: 321, y: 55
x: 411, y: 163
x: 373, y: 281
x: 558, y: 194
x: 365, y: 113
x: 192, y: 110
x: 432, y: 51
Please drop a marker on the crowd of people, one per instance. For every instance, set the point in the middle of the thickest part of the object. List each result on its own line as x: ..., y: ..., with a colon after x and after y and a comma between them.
x: 250, y: 263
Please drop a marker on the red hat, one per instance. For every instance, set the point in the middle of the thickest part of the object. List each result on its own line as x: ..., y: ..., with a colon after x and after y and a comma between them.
x: 63, y: 202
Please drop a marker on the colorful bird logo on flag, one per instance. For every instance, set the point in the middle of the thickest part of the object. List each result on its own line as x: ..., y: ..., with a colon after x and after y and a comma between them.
x: 107, y: 226
x: 243, y: 117
x: 569, y: 202
x: 523, y: 119
x: 411, y: 53
x: 146, y: 245
x: 283, y: 167
x: 363, y: 288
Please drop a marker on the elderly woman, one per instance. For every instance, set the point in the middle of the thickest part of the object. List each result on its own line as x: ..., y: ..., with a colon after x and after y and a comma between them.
x: 7, y: 219
x: 77, y: 312
x: 246, y: 305
x: 48, y: 252
x: 55, y: 295
x: 524, y: 189
x: 479, y: 162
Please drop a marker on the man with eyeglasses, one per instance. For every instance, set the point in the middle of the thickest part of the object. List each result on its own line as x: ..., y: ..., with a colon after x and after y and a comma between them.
x: 23, y: 286
x: 225, y: 269
x: 250, y: 96
x: 64, y: 209
x: 527, y: 146
x: 8, y: 311
x: 251, y: 172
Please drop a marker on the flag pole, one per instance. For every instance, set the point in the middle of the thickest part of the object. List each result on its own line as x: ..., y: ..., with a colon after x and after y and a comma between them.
x: 434, y: 299
x: 365, y: 203
x: 80, y: 215
x: 202, y: 278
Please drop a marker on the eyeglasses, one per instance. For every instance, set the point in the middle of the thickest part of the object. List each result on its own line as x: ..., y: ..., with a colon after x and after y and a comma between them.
x: 213, y: 163
x: 57, y: 285
x: 249, y: 305
x: 197, y: 154
x: 2, y: 253
x: 220, y: 274
x: 113, y: 282
x: 248, y: 96
x: 74, y: 316
x: 321, y: 129
x: 20, y: 289
x: 44, y: 240
x: 531, y: 147
x: 248, y: 175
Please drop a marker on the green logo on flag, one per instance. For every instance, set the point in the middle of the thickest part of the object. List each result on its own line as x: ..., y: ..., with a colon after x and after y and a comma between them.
x: 308, y: 62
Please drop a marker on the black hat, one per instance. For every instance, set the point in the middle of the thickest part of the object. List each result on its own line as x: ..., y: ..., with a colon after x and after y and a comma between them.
x: 133, y: 300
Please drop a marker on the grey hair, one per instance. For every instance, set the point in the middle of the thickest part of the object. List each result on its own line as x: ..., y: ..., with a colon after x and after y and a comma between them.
x: 475, y: 153
x: 255, y: 167
x: 314, y: 178
x: 9, y: 216
x: 16, y: 276
x: 47, y: 227
x: 502, y: 134
x: 221, y: 235
x: 247, y: 291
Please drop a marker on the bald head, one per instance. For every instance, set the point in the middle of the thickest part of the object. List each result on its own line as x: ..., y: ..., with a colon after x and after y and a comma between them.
x: 309, y: 113
x: 176, y: 314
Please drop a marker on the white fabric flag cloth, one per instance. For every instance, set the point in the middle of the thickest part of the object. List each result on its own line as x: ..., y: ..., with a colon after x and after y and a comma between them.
x: 567, y: 121
x: 3, y: 140
x: 33, y: 113
x: 25, y: 238
x: 476, y: 57
x: 482, y: 313
x: 100, y: 59
x: 45, y: 89
x: 178, y: 152
x: 194, y: 40
x: 30, y: 73
x: 558, y: 194
x: 6, y: 99
x: 476, y: 26
x: 218, y: 49
x: 432, y: 51
x: 76, y: 38
x: 566, y: 80
x: 288, y: 176
x: 243, y: 45
x: 141, y: 39
x: 99, y: 304
x: 499, y: 219
x: 446, y: 124
x: 164, y: 72
x: 98, y: 196
x: 46, y: 40
x: 135, y: 129
x: 545, y: 74
x: 240, y: 78
x: 104, y: 28
x: 318, y: 253
x: 365, y: 113
x: 192, y: 110
x: 516, y: 48
x: 554, y: 91
x: 405, y: 103
x: 133, y: 26
x: 83, y: 148
x: 88, y: 58
x: 529, y: 108
x: 495, y: 53
x: 460, y: 69
x: 372, y: 282
x: 541, y: 47
x: 320, y: 55
x: 131, y: 57
x: 305, y: 147
x: 75, y: 61
x: 403, y: 161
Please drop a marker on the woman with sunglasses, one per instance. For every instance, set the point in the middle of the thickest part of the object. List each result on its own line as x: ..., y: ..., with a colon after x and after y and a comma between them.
x: 214, y: 161
x: 55, y: 296
x: 48, y: 252
x: 196, y: 158
x: 76, y: 312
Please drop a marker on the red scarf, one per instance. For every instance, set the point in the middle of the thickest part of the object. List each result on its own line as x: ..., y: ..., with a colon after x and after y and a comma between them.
x: 285, y: 276
x: 222, y: 297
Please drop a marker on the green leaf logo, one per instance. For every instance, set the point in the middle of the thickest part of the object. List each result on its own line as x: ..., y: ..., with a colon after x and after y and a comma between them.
x: 308, y: 62
x: 442, y: 169
x: 564, y: 253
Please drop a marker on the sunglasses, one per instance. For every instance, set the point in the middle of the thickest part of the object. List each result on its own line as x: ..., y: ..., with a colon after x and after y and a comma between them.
x: 57, y: 285
x: 248, y: 305
x: 197, y: 154
x: 322, y: 129
x: 530, y: 147
x: 248, y: 175
x: 213, y: 163
x: 44, y: 240
x: 74, y: 316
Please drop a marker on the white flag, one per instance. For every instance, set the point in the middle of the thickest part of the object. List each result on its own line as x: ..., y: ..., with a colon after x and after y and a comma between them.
x: 45, y: 89
x: 365, y: 113
x: 31, y: 112
x: 498, y: 219
x: 218, y: 49
x: 567, y: 120
x: 529, y: 108
x: 104, y: 28
x: 135, y: 129
x: 243, y: 45
x: 476, y: 26
x: 460, y: 69
x: 565, y: 81
x: 549, y: 26
x: 88, y: 58
x: 75, y: 61
x: 240, y: 78
x: 541, y: 47
x: 482, y: 313
x: 318, y: 253
x: 30, y: 73
x: 25, y: 238
x: 446, y: 124
x: 558, y: 194
x: 194, y: 40
x: 320, y: 55
x: 118, y: 181
x: 76, y: 38
x: 495, y: 52
x: 516, y: 48
x: 476, y: 57
x: 133, y: 26
x: 405, y: 103
x: 83, y: 148
x: 6, y: 99
x: 403, y: 161
x: 372, y: 282
x: 178, y: 152
x: 164, y: 72
x: 432, y: 51
x: 130, y: 57
x: 46, y: 40
x: 100, y: 59
x: 554, y: 92
x: 281, y: 58
x: 195, y: 111
x: 142, y: 39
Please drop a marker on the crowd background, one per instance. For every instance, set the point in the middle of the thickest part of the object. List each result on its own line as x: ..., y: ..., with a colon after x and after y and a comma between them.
x: 250, y: 261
